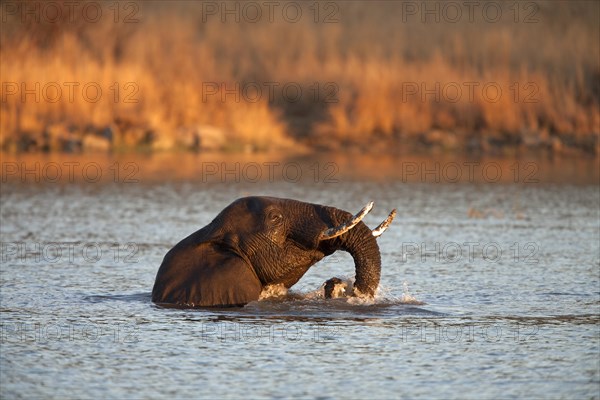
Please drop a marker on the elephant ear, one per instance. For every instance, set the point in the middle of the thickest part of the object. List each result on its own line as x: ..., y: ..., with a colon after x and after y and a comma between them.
x: 206, y: 276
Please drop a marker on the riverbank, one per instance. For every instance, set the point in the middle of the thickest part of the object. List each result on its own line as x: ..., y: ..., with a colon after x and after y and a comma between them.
x: 126, y: 138
x: 369, y: 76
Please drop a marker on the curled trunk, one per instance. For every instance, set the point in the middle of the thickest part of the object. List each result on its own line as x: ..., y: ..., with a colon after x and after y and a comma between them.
x: 362, y: 246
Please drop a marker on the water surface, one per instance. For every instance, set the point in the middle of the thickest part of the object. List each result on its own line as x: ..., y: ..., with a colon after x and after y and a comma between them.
x: 488, y: 289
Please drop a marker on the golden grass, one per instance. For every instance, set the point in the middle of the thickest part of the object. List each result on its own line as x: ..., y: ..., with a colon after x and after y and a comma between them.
x: 364, y: 66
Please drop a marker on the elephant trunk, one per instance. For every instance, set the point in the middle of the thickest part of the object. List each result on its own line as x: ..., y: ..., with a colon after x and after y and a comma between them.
x: 362, y: 246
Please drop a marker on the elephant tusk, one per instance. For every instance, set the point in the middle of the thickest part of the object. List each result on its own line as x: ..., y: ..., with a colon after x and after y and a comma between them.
x: 345, y: 227
x: 385, y: 224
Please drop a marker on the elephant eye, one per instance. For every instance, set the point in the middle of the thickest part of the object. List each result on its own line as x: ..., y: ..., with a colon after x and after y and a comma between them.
x: 274, y: 216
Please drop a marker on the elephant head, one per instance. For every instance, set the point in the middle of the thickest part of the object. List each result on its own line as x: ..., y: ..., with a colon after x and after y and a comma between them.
x: 261, y: 241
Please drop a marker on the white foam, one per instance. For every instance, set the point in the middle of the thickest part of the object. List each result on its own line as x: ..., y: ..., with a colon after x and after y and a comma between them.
x: 361, y: 300
x: 408, y: 298
x: 271, y: 291
x: 384, y: 295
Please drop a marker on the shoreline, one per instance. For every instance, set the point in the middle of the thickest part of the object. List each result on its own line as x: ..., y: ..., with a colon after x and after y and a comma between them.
x: 209, y: 139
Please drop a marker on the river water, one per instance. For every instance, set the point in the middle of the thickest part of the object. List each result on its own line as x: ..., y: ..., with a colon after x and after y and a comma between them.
x: 490, y: 287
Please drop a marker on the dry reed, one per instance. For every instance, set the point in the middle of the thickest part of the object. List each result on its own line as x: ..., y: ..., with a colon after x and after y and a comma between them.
x: 378, y: 74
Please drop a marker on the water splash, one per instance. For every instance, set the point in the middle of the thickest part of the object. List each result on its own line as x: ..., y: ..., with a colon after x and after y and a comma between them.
x: 384, y: 295
x: 408, y: 298
x: 361, y: 300
x: 273, y: 291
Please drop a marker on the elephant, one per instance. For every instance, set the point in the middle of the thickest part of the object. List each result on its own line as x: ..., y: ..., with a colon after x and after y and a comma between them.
x: 260, y: 241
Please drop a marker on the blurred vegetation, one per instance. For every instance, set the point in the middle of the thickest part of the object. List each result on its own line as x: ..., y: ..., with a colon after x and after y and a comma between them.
x: 364, y: 79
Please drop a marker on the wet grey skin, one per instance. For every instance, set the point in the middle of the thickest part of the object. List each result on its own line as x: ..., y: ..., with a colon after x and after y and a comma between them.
x: 259, y: 241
